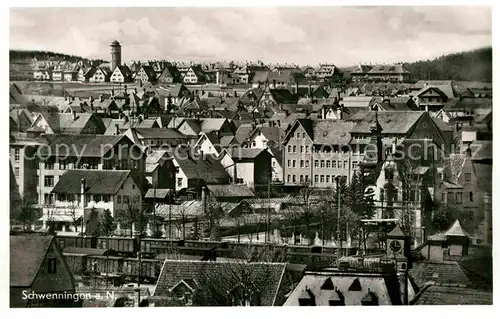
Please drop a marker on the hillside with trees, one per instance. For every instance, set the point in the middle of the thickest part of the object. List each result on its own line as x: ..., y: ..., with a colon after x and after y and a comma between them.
x: 24, y: 55
x: 473, y: 65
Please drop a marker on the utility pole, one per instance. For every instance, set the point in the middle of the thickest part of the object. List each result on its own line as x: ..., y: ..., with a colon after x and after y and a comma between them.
x: 268, y: 209
x: 170, y: 219
x: 139, y: 275
x: 154, y: 210
x: 337, y: 180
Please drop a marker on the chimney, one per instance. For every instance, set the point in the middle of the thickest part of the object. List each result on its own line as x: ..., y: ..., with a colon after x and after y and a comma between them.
x: 83, y: 186
x: 487, y: 219
x: 204, y: 199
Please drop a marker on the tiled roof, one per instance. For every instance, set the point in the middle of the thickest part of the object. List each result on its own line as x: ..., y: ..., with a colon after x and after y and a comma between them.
x: 244, y: 153
x: 387, y: 69
x: 230, y: 191
x: 27, y: 253
x: 392, y: 122
x: 209, y: 170
x: 155, y: 156
x: 456, y: 230
x: 66, y: 123
x: 212, y: 124
x: 283, y: 96
x: 484, y: 173
x: 96, y: 181
x: 265, y: 276
x: 313, y: 284
x: 226, y: 141
x: 332, y: 132
x: 445, y: 86
x: 81, y: 145
x: 450, y: 295
x: 163, y: 133
x: 439, y: 273
x: 243, y: 132
x: 251, y: 96
x: 161, y: 193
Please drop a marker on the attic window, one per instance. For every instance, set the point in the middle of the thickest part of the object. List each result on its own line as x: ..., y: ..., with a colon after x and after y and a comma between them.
x: 328, y: 284
x: 355, y: 286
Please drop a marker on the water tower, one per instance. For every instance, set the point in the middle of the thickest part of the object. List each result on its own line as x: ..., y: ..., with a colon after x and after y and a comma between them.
x: 116, y: 54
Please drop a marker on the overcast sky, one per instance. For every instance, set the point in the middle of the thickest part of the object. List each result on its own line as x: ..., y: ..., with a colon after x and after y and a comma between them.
x: 304, y: 35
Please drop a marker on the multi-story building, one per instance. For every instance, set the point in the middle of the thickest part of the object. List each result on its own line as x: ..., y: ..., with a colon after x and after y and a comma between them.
x: 381, y: 73
x: 251, y: 167
x: 78, y: 191
x: 194, y: 75
x: 24, y: 164
x: 121, y: 74
x: 90, y: 152
x: 316, y: 152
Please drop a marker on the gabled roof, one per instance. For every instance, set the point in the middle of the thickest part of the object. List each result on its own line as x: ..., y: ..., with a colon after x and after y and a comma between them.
x: 149, y: 71
x: 387, y: 69
x: 155, y: 156
x: 69, y: 123
x: 80, y: 145
x: 267, y: 277
x: 252, y: 96
x: 447, y: 87
x: 332, y: 132
x: 283, y: 96
x: 243, y: 132
x: 104, y: 182
x: 238, y: 153
x: 209, y: 169
x: 392, y: 122
x: 230, y: 191
x: 27, y: 253
x: 456, y: 230
x: 212, y: 124
x: 452, y: 295
x: 163, y: 133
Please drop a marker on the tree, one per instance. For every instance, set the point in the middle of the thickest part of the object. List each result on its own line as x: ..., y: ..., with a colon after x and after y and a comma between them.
x: 107, y: 223
x: 26, y: 214
x: 131, y: 215
x: 237, y: 283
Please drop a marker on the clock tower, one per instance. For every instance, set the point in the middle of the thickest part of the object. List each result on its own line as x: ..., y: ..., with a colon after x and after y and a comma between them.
x: 398, y: 247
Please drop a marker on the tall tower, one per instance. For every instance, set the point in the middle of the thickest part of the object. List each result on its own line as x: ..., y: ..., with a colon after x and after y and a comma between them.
x: 116, y: 55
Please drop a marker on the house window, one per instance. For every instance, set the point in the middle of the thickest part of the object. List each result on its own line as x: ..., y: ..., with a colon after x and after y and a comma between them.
x: 16, y: 171
x: 97, y: 198
x: 48, y: 181
x: 105, y: 198
x: 288, y: 178
x: 333, y: 178
x: 63, y: 164
x: 289, y: 148
x: 301, y: 163
x: 179, y: 182
x: 298, y: 135
x: 316, y: 178
x: 339, y: 164
x: 471, y: 215
x: 471, y: 197
x: 307, y: 178
x: 467, y: 177
x: 327, y: 164
x: 327, y: 179
x: 294, y: 179
x: 322, y: 179
x: 322, y: 163
x: 301, y: 179
x: 126, y: 199
x: 346, y: 165
x: 354, y: 165
x: 307, y: 163
x: 458, y: 197
x: 52, y: 262
x: 334, y: 164
x: 119, y: 199
x: 16, y: 155
x: 316, y: 163
x: 49, y: 165
x: 307, y: 149
x: 295, y: 149
x: 293, y: 163
x: 302, y: 150
x: 443, y: 197
x: 289, y: 163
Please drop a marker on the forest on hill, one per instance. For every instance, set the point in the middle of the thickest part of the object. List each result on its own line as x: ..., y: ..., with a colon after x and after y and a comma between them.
x: 25, y: 55
x: 473, y: 65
